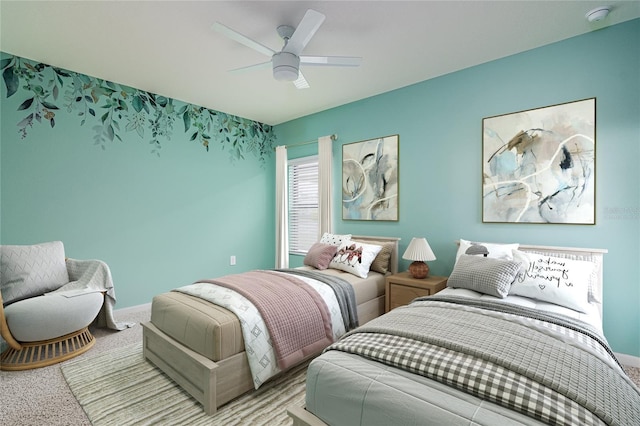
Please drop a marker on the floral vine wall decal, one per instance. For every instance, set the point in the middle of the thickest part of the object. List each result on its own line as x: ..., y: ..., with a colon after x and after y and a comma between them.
x: 112, y: 109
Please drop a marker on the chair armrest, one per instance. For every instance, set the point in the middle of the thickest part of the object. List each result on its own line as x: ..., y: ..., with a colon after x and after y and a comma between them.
x: 4, y: 329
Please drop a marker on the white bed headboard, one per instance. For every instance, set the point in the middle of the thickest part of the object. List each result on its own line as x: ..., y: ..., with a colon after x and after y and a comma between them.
x: 578, y: 253
x: 393, y: 262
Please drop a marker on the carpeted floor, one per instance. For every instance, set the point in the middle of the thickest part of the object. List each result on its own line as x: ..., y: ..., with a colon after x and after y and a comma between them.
x: 122, y: 388
x: 42, y: 396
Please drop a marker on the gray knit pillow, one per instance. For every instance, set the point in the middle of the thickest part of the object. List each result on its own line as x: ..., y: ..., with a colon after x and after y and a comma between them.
x: 484, y: 275
x: 31, y: 270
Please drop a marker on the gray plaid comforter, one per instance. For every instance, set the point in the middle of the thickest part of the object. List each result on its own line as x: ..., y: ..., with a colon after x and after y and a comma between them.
x: 547, y: 367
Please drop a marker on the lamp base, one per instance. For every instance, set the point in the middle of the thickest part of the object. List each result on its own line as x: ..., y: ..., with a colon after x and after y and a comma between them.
x: 419, y: 269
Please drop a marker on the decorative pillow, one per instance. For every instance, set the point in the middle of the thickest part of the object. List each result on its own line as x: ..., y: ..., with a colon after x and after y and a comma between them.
x: 381, y: 262
x: 319, y: 255
x: 28, y: 271
x: 334, y: 239
x: 355, y: 258
x: 484, y: 275
x: 564, y: 282
x: 597, y: 264
x: 496, y: 251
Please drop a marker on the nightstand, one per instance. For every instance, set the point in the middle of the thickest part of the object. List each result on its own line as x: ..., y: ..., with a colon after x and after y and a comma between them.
x: 401, y: 288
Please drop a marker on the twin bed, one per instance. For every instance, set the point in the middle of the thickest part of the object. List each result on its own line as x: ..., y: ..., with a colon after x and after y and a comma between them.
x: 465, y: 356
x: 515, y: 338
x: 201, y: 346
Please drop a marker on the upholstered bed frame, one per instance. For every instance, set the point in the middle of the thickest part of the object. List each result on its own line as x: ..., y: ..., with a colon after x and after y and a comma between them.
x: 215, y: 383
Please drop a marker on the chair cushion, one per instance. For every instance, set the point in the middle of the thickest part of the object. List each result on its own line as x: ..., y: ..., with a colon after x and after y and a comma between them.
x: 31, y: 270
x: 52, y: 315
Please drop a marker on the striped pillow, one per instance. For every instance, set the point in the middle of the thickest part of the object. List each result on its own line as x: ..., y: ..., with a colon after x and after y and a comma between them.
x: 484, y: 275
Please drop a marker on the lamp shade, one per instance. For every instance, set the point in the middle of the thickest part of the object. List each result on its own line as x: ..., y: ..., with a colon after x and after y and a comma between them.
x: 419, y: 250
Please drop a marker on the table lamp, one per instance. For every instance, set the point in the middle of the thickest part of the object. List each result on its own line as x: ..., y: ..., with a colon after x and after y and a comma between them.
x: 419, y: 251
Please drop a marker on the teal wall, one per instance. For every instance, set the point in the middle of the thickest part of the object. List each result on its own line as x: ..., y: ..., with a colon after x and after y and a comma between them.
x: 159, y: 222
x: 439, y: 122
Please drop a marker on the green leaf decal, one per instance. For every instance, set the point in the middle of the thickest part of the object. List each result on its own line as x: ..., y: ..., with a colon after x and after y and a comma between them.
x: 49, y: 105
x: 25, y: 121
x: 153, y: 116
x: 110, y: 133
x: 26, y: 104
x: 137, y: 103
x: 187, y: 121
x: 11, y: 81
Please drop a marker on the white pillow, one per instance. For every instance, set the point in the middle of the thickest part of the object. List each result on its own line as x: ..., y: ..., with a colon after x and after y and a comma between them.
x: 493, y: 250
x: 334, y: 239
x: 564, y: 282
x: 597, y: 263
x: 355, y: 258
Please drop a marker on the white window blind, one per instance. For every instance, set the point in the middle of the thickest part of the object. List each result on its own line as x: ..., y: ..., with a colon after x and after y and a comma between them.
x: 303, y: 203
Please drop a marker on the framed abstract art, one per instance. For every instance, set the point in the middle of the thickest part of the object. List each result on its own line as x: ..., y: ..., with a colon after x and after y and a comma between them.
x: 370, y: 179
x: 538, y: 165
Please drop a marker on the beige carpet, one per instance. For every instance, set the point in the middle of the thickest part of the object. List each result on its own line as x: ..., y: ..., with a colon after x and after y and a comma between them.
x: 122, y: 388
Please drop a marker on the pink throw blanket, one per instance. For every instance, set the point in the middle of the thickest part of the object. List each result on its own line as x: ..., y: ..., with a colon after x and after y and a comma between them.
x: 297, y: 318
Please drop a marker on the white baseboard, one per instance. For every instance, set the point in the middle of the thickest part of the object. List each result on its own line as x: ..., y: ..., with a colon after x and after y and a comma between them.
x: 628, y: 360
x: 132, y: 308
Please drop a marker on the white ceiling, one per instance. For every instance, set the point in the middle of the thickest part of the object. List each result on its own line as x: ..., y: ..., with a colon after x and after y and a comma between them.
x: 169, y: 48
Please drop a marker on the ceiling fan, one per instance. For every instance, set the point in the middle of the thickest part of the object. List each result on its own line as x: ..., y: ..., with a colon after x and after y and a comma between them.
x: 286, y: 63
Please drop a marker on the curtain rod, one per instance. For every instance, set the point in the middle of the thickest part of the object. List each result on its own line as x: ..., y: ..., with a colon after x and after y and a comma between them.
x: 334, y: 137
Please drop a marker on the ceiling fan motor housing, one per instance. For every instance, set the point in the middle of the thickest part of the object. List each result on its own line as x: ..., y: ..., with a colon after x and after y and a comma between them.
x: 285, y: 66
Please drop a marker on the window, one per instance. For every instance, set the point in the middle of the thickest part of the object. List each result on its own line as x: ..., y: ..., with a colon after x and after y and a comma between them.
x: 303, y: 203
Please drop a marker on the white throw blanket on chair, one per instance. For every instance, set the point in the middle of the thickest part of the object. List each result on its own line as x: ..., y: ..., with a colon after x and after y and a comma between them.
x: 88, y: 275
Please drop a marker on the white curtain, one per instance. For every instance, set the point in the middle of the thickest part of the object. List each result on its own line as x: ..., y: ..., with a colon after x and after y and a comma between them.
x: 282, y: 208
x: 325, y: 204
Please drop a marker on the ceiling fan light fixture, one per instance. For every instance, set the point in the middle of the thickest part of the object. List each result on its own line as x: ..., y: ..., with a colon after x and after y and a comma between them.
x: 286, y: 63
x: 285, y: 66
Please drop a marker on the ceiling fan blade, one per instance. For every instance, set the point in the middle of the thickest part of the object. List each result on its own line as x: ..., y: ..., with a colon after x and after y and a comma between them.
x: 251, y: 67
x: 331, y: 61
x: 301, y: 82
x: 242, y: 39
x: 310, y: 23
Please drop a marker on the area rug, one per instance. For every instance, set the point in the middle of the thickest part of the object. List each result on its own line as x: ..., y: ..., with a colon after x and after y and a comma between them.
x: 122, y: 388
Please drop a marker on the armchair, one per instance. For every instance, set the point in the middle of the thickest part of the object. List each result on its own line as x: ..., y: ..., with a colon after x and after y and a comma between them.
x: 47, y: 303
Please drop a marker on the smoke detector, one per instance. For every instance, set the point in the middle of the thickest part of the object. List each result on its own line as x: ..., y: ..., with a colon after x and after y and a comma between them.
x: 598, y: 14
